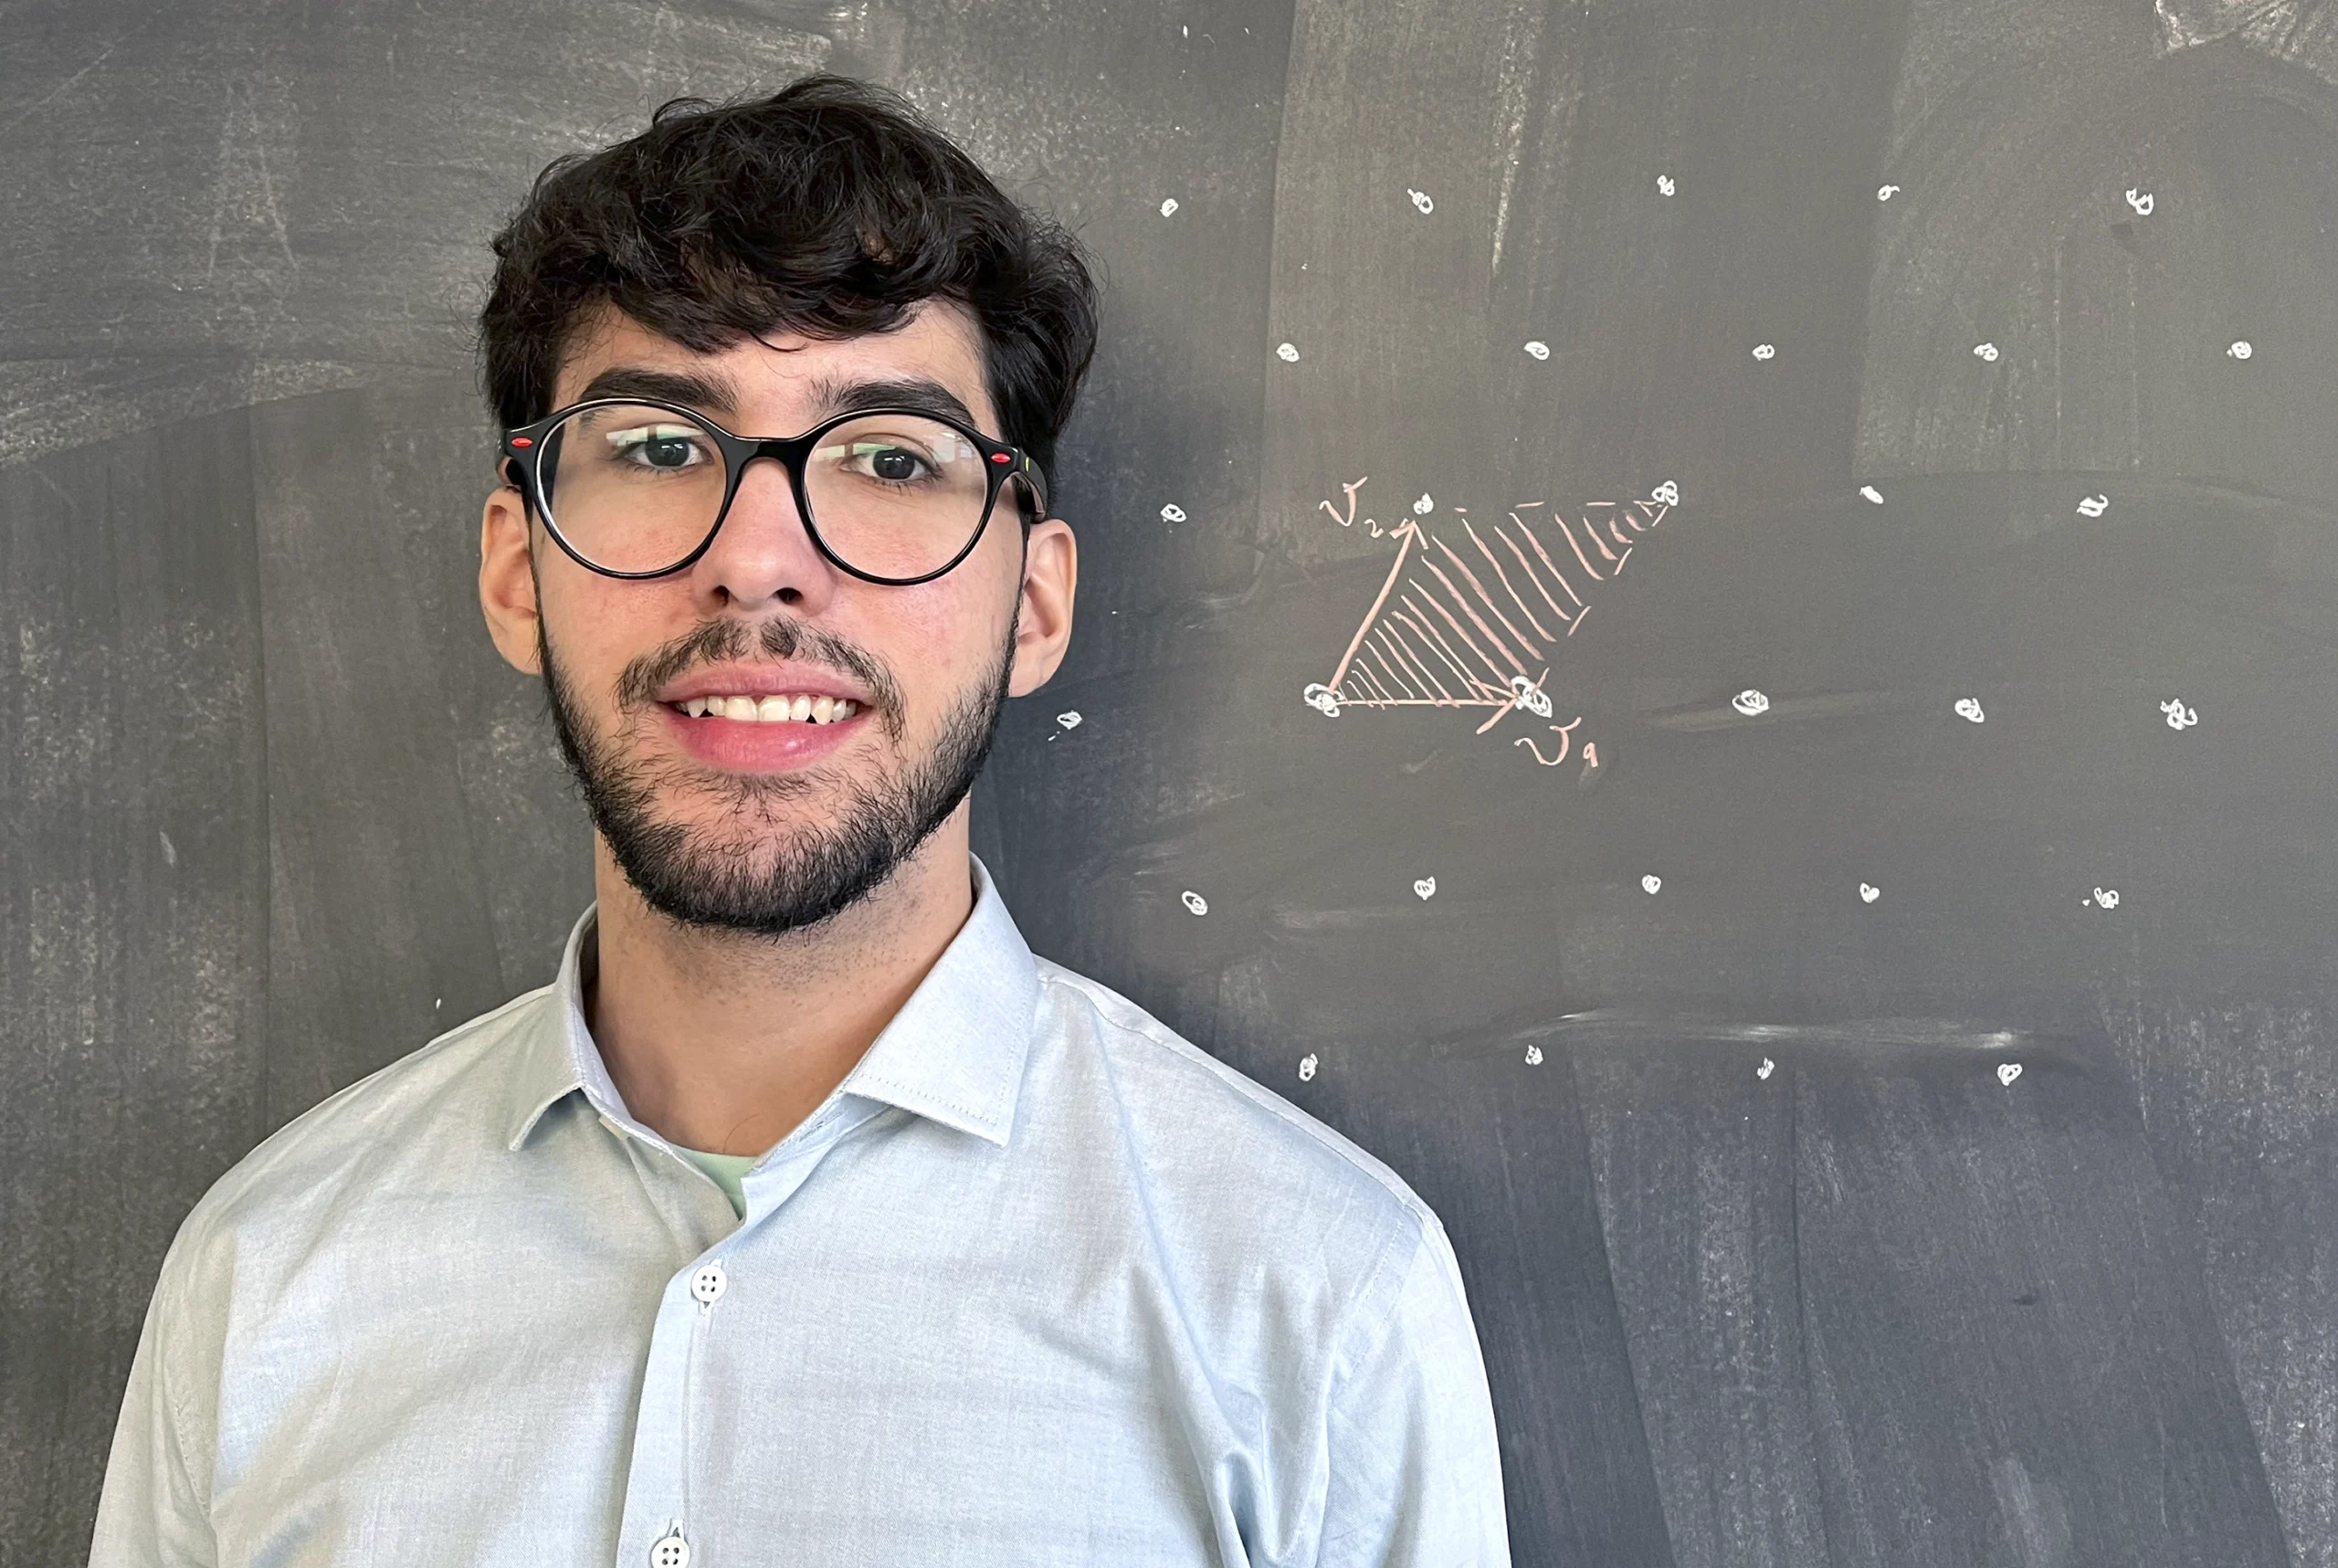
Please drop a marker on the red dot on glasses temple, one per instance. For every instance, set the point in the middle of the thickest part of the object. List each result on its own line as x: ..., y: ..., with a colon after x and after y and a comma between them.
x: 1000, y: 457
x: 524, y: 441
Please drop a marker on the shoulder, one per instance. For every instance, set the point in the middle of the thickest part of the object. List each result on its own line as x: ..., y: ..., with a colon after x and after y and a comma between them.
x: 439, y: 1100
x: 1216, y: 1136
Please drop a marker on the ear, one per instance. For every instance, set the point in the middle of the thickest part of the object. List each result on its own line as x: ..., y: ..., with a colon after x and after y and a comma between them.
x: 1043, y: 627
x: 507, y: 581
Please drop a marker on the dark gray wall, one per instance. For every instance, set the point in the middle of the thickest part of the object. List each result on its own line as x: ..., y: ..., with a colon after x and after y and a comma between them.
x: 274, y: 813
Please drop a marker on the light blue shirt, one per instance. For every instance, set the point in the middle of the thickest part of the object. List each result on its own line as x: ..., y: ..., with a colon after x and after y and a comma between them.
x: 1040, y: 1284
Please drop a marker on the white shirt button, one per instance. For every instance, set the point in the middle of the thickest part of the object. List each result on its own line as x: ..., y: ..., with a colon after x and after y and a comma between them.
x: 672, y: 1552
x: 707, y: 1285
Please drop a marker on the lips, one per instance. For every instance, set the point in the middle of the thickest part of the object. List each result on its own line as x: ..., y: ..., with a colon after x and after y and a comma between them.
x: 761, y: 718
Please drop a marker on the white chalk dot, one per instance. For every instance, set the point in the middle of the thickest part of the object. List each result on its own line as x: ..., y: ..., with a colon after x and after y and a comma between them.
x: 1195, y: 901
x: 1969, y: 709
x: 1533, y: 1055
x: 2007, y: 1072
x: 1286, y: 352
x: 1652, y: 883
x: 1872, y: 494
x: 1421, y: 201
x: 1426, y: 886
x: 2240, y: 350
x: 1664, y: 185
x: 1869, y: 892
x: 1169, y: 206
x: 1424, y: 506
x: 1750, y: 702
x: 1885, y: 193
x: 1766, y: 1068
x: 1173, y: 513
x: 1307, y: 1067
x: 1538, y: 347
x: 1069, y: 718
x: 1987, y: 353
x: 1765, y: 351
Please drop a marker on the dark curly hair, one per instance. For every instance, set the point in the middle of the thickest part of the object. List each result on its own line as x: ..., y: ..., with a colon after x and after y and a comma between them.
x: 829, y: 208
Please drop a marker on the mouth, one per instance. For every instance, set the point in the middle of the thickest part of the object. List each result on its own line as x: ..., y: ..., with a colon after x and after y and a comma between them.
x: 758, y: 717
x: 767, y: 708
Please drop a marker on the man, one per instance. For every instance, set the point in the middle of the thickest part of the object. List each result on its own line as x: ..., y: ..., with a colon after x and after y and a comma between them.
x: 805, y: 1217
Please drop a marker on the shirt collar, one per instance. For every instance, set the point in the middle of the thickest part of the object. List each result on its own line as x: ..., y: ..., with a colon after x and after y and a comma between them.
x: 953, y: 1053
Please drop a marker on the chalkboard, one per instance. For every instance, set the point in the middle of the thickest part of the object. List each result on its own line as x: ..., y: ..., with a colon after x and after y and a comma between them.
x: 1714, y: 627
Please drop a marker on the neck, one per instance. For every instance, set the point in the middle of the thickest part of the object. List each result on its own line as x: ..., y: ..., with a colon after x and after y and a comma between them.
x: 725, y: 1042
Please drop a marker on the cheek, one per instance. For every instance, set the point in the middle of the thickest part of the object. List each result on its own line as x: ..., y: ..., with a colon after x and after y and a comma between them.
x: 595, y: 625
x: 942, y: 637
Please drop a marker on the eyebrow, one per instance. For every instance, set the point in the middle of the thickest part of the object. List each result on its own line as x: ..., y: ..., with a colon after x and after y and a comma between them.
x: 714, y: 393
x: 921, y: 394
x: 830, y: 394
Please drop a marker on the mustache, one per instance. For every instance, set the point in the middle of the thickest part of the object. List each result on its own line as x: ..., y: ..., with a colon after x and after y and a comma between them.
x: 780, y: 638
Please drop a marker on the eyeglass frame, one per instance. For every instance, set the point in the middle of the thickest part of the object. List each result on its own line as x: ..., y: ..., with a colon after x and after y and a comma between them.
x: 523, y: 446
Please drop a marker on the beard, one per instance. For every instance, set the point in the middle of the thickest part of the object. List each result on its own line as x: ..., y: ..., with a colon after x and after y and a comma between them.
x: 755, y: 872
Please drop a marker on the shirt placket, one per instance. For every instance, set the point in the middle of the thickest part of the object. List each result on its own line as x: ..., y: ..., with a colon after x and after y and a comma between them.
x: 665, y: 1517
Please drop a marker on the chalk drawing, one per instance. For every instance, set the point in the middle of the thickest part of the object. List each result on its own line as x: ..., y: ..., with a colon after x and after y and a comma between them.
x: 2106, y: 897
x: 2094, y: 506
x: 1421, y: 202
x: 1169, y: 207
x: 1195, y: 901
x: 1765, y: 351
x: 1426, y: 886
x: 1885, y: 193
x: 1533, y: 1055
x: 1173, y: 513
x: 2179, y: 717
x: 1467, y: 617
x: 1664, y: 185
x: 1750, y: 702
x: 1069, y: 718
x: 1537, y: 348
x: 1565, y: 733
x: 1987, y: 353
x: 1766, y: 1068
x: 1969, y: 709
x: 1307, y: 1067
x: 1286, y: 352
x: 1654, y: 884
x: 2007, y: 1072
x: 1869, y: 892
x: 2240, y: 350
x: 1347, y: 518
x: 1871, y: 493
x: 2141, y: 201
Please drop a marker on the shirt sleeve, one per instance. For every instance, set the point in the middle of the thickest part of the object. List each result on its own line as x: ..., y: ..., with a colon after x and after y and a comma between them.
x: 1416, y: 1470
x: 153, y: 1512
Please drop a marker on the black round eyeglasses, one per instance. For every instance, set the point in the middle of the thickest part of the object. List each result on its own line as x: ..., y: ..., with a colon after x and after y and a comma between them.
x: 639, y: 488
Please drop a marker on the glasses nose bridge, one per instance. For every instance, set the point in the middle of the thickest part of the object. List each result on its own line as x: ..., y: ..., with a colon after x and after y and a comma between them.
x: 788, y: 452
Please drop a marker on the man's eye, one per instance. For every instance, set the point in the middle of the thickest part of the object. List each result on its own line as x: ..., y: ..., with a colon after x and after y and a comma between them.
x: 896, y: 465
x: 658, y: 447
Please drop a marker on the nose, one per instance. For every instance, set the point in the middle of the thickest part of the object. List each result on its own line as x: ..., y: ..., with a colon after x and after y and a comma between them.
x: 764, y: 555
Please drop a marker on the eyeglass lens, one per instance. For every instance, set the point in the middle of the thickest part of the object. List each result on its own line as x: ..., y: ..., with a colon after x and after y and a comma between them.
x: 639, y: 488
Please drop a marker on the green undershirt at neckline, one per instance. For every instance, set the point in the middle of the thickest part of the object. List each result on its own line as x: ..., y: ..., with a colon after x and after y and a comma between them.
x: 726, y: 1170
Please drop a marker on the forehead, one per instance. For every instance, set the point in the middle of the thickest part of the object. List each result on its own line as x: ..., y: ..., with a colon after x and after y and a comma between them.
x: 775, y: 381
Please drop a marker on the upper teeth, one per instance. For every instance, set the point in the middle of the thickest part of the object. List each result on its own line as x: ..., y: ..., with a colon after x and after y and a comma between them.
x: 797, y: 708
